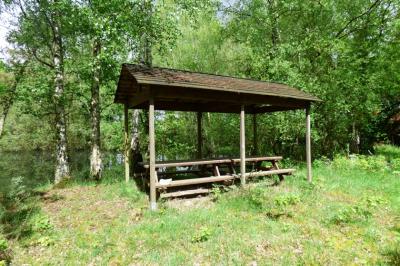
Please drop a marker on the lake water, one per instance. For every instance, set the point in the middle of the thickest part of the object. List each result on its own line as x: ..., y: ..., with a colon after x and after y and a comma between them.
x: 37, y: 167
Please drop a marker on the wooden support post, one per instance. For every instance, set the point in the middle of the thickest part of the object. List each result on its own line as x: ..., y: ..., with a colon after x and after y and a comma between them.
x: 242, y: 148
x: 126, y: 142
x: 308, y: 143
x: 199, y: 135
x: 152, y: 155
x: 255, y: 143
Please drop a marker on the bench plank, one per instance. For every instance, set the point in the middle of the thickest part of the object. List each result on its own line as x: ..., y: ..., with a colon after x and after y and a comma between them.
x: 210, y: 161
x: 195, y: 181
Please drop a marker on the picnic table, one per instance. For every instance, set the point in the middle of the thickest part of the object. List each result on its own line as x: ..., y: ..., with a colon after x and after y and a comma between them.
x: 214, y: 166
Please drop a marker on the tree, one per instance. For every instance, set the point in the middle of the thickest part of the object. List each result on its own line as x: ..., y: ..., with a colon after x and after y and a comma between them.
x: 41, y: 33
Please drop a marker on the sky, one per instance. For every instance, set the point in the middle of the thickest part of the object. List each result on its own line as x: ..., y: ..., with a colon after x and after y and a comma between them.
x: 5, y: 26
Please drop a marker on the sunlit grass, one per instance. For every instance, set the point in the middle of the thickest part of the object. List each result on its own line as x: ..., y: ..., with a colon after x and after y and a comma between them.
x: 348, y: 215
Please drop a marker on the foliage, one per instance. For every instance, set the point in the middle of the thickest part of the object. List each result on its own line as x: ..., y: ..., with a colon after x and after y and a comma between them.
x: 389, y: 151
x: 202, y: 235
x: 343, y: 53
x: 358, y: 212
x: 372, y: 163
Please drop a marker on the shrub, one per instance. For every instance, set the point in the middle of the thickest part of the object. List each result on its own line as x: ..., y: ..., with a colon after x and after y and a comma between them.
x: 286, y: 200
x: 216, y: 193
x: 357, y: 213
x: 321, y: 162
x: 5, y: 252
x: 3, y: 243
x: 350, y: 214
x: 202, y: 235
x: 395, y: 164
x: 342, y: 163
x: 40, y: 223
x: 389, y: 151
x: 375, y: 163
x: 17, y: 192
x: 369, y: 163
x: 274, y: 207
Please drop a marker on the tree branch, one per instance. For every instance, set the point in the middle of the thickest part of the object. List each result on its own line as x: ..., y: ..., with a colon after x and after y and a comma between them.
x: 368, y: 11
x: 33, y: 52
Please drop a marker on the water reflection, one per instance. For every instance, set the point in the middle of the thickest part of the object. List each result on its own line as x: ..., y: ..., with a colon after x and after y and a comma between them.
x: 37, y: 167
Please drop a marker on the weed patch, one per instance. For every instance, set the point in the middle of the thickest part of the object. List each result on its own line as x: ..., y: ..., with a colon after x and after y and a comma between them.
x: 201, y: 235
x: 357, y: 212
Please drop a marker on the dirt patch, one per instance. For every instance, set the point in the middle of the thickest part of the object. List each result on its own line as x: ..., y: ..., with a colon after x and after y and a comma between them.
x: 189, y: 203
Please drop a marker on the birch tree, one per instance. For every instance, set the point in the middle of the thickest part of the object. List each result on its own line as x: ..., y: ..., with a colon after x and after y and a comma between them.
x: 41, y: 34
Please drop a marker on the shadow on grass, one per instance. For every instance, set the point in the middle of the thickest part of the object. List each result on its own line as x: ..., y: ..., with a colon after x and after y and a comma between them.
x: 393, y: 255
x: 15, y: 221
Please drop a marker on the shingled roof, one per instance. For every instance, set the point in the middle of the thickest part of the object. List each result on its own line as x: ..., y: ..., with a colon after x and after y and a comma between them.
x: 192, y: 91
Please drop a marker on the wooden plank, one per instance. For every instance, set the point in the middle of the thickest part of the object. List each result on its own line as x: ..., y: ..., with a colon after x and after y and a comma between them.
x: 188, y: 163
x: 216, y: 170
x: 192, y: 171
x: 194, y: 181
x: 185, y: 193
x: 259, y: 159
x: 270, y: 172
x: 276, y: 167
x: 273, y: 108
x: 152, y: 155
x: 126, y: 142
x: 308, y: 144
x: 242, y: 147
x: 182, y: 163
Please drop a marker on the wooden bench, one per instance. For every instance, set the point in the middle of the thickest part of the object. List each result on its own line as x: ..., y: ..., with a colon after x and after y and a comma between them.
x: 214, y: 165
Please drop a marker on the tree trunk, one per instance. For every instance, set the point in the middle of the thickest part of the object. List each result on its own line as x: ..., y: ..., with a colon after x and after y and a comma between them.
x: 3, y: 119
x: 136, y: 156
x: 6, y: 107
x: 62, y: 166
x: 95, y: 156
x: 210, y: 144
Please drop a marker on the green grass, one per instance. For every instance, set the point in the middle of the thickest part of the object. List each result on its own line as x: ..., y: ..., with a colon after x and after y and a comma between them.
x: 350, y: 214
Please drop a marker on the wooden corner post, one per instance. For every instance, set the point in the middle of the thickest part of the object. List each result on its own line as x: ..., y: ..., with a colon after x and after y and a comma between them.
x: 308, y: 143
x: 242, y: 147
x: 199, y: 135
x: 126, y: 142
x: 152, y: 155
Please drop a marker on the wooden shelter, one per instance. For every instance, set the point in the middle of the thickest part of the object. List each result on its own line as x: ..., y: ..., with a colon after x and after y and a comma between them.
x: 142, y: 87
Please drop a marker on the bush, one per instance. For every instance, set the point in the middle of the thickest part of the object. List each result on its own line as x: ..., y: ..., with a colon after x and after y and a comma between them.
x: 390, y: 152
x: 5, y: 252
x: 343, y: 163
x: 357, y: 213
x: 369, y: 163
x: 40, y: 223
x: 395, y: 164
x: 321, y: 162
x: 374, y: 163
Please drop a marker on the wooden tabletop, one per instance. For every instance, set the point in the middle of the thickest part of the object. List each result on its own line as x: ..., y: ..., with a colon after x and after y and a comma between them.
x: 183, y: 163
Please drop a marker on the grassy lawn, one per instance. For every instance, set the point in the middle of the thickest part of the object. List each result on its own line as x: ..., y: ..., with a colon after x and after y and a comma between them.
x: 350, y: 215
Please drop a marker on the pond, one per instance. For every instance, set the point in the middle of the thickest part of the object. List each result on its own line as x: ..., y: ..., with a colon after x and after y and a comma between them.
x: 37, y: 167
